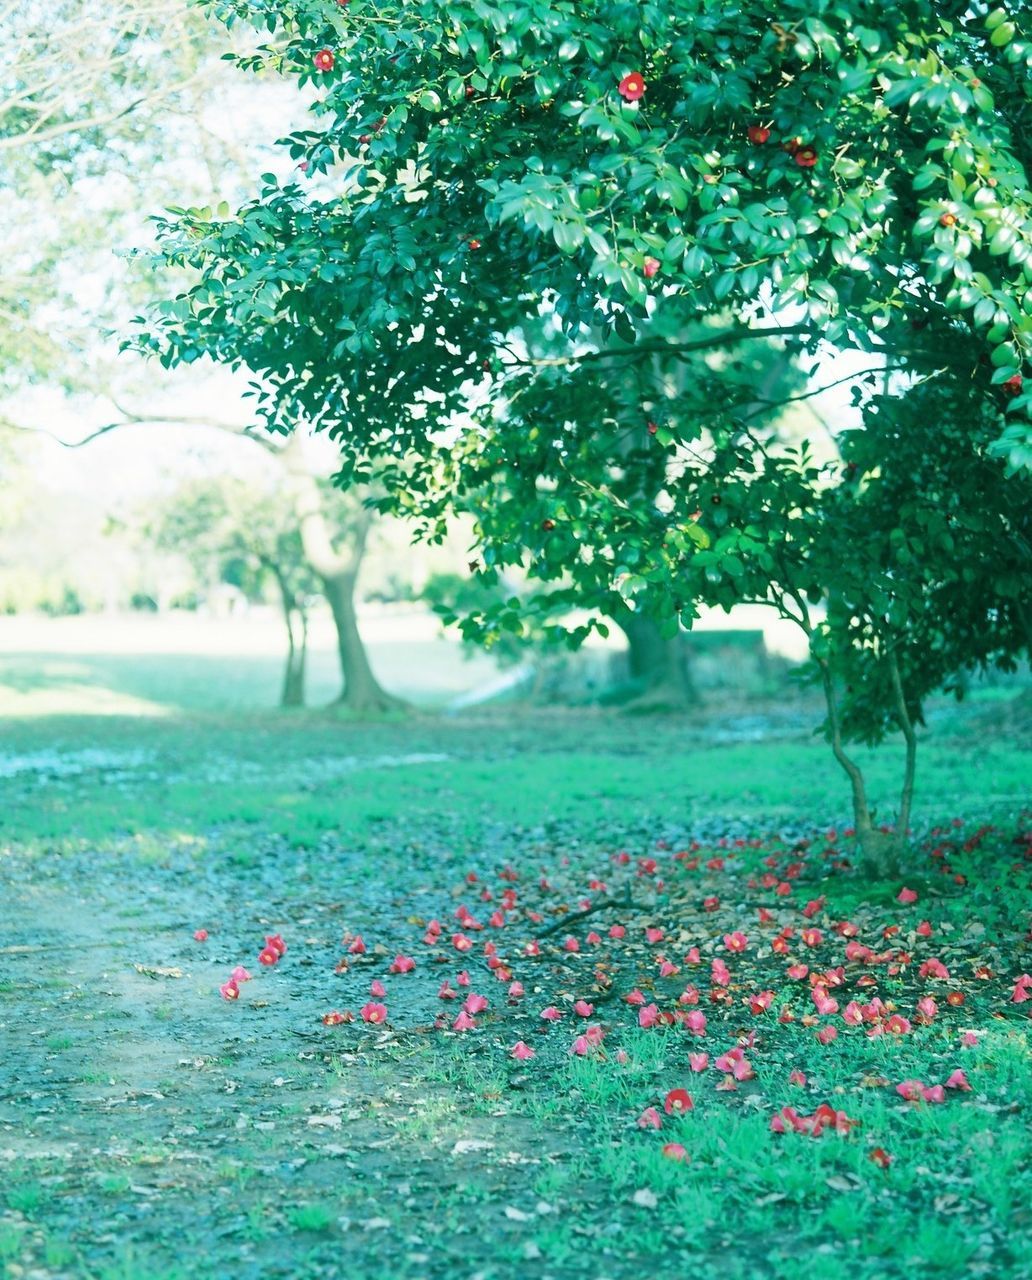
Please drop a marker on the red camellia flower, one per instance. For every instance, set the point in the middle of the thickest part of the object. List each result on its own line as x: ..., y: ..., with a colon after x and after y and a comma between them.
x: 805, y: 157
x: 678, y: 1100
x: 268, y: 956
x: 323, y: 60
x: 759, y: 134
x: 1013, y: 385
x: 632, y: 87
x: 650, y: 267
x: 201, y: 935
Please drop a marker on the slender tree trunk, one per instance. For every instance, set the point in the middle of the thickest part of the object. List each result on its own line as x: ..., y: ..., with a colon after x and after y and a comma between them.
x: 661, y: 664
x: 362, y: 691
x: 295, y: 619
x: 905, y: 723
x: 876, y: 848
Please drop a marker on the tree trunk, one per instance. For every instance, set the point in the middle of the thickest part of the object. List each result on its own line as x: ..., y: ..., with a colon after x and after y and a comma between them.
x: 361, y: 692
x: 658, y: 663
x: 293, y: 694
x: 878, y: 850
x: 338, y: 572
x: 907, y: 726
x: 295, y: 618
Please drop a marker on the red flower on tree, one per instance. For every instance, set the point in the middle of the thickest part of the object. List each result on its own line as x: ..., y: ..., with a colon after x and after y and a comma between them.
x: 632, y: 86
x: 805, y: 157
x: 323, y: 60
x: 1013, y: 385
x: 759, y: 134
x: 650, y: 267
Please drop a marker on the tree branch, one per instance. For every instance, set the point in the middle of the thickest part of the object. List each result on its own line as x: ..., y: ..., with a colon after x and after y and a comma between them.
x: 658, y: 347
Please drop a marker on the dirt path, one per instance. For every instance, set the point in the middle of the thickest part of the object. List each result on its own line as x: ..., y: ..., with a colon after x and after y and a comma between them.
x: 141, y: 1114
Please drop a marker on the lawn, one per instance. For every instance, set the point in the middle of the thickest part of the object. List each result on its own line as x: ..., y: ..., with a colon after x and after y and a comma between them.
x: 150, y: 1128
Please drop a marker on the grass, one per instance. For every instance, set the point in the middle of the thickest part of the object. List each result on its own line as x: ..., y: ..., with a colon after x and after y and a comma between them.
x: 150, y: 1130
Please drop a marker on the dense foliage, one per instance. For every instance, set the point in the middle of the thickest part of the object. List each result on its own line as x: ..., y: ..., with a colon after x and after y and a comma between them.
x: 537, y: 258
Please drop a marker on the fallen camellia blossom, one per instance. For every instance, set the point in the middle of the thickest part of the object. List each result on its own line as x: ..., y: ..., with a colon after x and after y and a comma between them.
x: 401, y: 964
x: 357, y: 947
x: 648, y: 1016
x: 906, y: 896
x: 376, y: 988
x: 201, y: 935
x: 521, y: 1051
x: 277, y: 944
x: 581, y: 1046
x: 551, y: 1014
x: 698, y: 1061
x: 463, y: 1022
x: 958, y: 1080
x: 475, y: 1004
x: 650, y: 1119
x: 583, y: 1009
x: 675, y: 1151
x: 880, y: 1157
x: 679, y: 1101
x: 789, y: 1120
x: 240, y: 974
x: 334, y: 1019
x: 852, y: 1014
x: 268, y: 956
x: 229, y: 990
x: 373, y: 1012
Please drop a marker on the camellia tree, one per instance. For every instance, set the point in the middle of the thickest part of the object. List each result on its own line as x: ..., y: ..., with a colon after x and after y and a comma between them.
x: 648, y: 183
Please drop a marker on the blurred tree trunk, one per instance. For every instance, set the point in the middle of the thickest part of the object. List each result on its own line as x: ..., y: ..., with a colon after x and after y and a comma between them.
x: 659, y: 663
x: 337, y: 571
x: 295, y: 616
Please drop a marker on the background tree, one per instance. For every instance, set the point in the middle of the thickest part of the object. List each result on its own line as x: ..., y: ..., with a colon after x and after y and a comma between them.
x: 234, y: 531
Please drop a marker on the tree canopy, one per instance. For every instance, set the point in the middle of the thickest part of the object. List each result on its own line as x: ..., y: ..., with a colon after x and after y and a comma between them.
x: 537, y: 257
